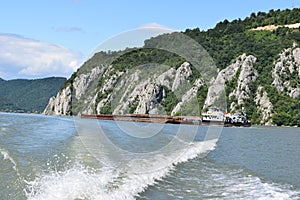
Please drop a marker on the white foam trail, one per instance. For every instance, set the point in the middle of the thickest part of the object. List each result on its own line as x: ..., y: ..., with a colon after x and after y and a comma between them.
x: 6, y: 156
x: 125, y: 183
x: 254, y: 187
x: 137, y: 183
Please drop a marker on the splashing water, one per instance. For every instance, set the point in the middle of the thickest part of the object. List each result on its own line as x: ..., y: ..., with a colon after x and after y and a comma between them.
x: 80, y: 182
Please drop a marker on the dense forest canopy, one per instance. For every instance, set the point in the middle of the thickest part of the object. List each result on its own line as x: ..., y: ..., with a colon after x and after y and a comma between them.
x: 21, y: 95
x: 228, y: 40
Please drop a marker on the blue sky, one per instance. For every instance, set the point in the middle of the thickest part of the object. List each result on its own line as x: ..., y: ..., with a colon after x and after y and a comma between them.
x: 40, y: 38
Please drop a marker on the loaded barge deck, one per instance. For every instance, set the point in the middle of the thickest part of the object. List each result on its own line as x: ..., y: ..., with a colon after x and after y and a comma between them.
x: 165, y: 119
x: 147, y: 118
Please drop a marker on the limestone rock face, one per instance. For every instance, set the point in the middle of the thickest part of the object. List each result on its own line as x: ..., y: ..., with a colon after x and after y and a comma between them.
x: 217, y: 85
x: 141, y: 94
x: 264, y: 106
x: 144, y: 93
x: 129, y: 94
x: 247, y: 75
x: 137, y: 92
x: 166, y: 78
x: 188, y: 96
x: 182, y: 73
x: 82, y: 82
x: 61, y: 104
x: 111, y: 79
x: 80, y: 88
x: 147, y: 93
x: 286, y: 72
x: 149, y: 99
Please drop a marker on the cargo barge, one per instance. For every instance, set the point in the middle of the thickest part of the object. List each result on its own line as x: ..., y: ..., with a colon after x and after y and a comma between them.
x: 207, y: 119
x: 166, y: 119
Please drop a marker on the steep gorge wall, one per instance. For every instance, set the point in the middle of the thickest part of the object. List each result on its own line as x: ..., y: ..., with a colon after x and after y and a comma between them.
x: 137, y: 92
x: 145, y: 94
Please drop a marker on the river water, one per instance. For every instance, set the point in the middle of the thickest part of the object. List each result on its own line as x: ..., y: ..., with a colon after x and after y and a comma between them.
x: 47, y: 157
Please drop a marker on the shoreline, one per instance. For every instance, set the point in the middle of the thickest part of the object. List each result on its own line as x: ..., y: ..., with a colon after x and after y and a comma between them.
x: 165, y: 119
x: 3, y: 112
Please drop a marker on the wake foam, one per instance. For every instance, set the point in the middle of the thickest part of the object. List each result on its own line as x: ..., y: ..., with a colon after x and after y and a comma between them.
x: 243, y: 187
x: 208, y: 180
x: 6, y: 156
x: 81, y: 182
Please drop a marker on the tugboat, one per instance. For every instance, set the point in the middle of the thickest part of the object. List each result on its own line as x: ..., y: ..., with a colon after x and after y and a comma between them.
x: 215, y: 116
x: 237, y: 119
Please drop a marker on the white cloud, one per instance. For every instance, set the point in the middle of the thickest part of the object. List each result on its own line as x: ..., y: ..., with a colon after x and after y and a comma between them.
x: 24, y: 57
x: 154, y: 25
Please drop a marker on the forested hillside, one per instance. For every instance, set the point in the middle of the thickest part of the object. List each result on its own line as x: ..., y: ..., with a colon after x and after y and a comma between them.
x: 228, y: 40
x: 21, y: 95
x: 264, y: 68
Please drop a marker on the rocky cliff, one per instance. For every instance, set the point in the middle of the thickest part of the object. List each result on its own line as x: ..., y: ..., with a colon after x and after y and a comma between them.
x: 287, y: 71
x: 104, y: 89
x: 264, y: 106
x: 258, y: 71
x: 243, y: 69
x: 121, y: 93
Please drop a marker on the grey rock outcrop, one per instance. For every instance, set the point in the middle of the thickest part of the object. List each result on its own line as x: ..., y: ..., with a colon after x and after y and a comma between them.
x: 286, y: 72
x: 129, y: 94
x: 124, y: 91
x: 167, y: 78
x: 61, y: 104
x: 83, y: 87
x: 188, y: 97
x: 82, y: 82
x: 111, y: 79
x: 149, y: 99
x: 147, y: 93
x: 137, y: 91
x: 182, y: 74
x: 247, y: 75
x: 264, y: 106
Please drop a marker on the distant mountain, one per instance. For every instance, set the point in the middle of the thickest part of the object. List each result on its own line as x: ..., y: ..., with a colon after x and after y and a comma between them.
x: 258, y: 61
x: 21, y: 95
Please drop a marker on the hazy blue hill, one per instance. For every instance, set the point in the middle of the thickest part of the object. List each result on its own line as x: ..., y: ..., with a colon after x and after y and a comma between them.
x: 21, y: 95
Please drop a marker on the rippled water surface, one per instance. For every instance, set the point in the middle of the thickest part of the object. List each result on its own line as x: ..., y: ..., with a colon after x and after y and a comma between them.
x: 46, y: 157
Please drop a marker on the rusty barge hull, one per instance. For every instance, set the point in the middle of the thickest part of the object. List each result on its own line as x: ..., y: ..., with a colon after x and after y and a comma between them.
x: 166, y: 119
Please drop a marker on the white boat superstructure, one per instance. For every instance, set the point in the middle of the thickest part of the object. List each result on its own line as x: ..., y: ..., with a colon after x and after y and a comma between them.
x: 217, y: 116
x: 213, y: 115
